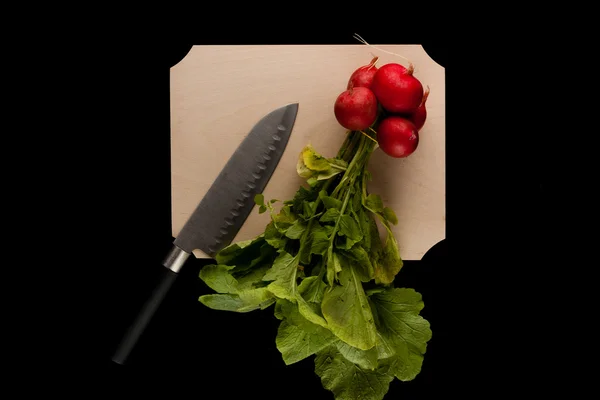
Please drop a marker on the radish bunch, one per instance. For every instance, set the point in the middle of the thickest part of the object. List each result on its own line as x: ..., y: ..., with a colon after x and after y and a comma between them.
x: 389, y: 98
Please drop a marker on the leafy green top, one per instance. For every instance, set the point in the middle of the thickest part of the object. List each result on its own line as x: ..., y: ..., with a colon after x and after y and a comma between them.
x: 323, y: 265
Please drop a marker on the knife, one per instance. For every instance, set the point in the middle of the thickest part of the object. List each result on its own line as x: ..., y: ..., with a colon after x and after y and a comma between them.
x: 222, y: 211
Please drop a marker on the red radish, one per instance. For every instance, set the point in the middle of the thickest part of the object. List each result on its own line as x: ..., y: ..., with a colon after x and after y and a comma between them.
x: 363, y: 76
x: 397, y: 136
x: 356, y: 108
x: 419, y: 116
x: 397, y: 89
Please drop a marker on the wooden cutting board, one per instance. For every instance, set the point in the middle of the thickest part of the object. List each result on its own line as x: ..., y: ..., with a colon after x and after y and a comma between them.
x: 219, y: 92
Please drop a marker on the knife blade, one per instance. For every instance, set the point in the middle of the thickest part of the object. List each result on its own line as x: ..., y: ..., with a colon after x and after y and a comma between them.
x: 222, y: 211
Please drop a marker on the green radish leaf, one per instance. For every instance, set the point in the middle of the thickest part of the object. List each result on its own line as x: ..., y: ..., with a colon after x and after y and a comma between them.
x: 331, y: 215
x: 283, y: 274
x: 308, y: 209
x: 265, y: 255
x: 374, y: 203
x: 344, y: 243
x: 330, y: 202
x: 286, y: 309
x: 356, y: 203
x: 313, y: 160
x: 244, y: 301
x: 337, y: 163
x: 347, y: 312
x: 390, y: 215
x: 376, y: 250
x: 226, y: 279
x: 274, y: 237
x: 349, y: 227
x: 364, y: 222
x: 279, y: 308
x: 389, y: 263
x: 309, y: 296
x: 311, y: 311
x: 302, y: 195
x: 347, y: 380
x: 314, y: 242
x: 374, y: 290
x: 312, y: 289
x: 241, y: 253
x: 259, y: 199
x: 349, y: 244
x: 366, y: 359
x: 285, y: 218
x: 331, y: 172
x: 328, y: 229
x: 295, y: 343
x: 337, y: 263
x: 253, y: 278
x: 359, y: 258
x: 302, y: 169
x: 218, y: 278
x: 403, y: 329
x: 320, y: 241
x: 334, y: 266
x: 296, y: 230
x: 298, y: 338
x: 384, y: 347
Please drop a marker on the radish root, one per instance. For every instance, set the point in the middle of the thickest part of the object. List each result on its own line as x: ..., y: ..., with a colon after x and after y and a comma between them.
x: 363, y: 41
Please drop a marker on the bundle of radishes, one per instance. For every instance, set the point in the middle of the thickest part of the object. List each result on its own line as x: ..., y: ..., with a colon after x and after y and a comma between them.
x: 390, y: 97
x: 321, y: 263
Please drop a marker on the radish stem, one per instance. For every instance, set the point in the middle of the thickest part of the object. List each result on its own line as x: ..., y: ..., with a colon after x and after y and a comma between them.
x: 368, y: 136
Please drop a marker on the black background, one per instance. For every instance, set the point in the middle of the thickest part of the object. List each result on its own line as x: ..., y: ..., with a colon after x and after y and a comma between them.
x: 234, y: 355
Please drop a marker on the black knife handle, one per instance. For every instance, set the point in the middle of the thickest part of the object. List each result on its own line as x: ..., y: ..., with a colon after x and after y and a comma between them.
x: 169, y: 273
